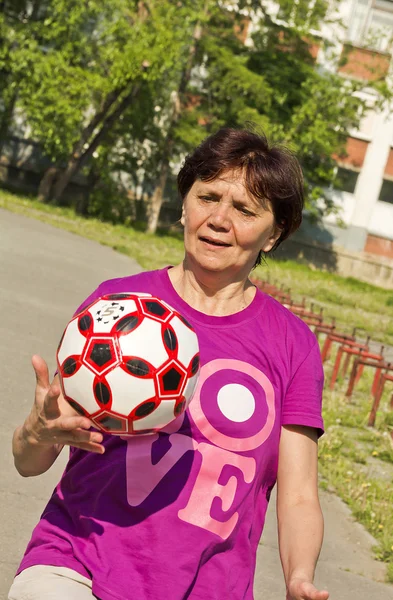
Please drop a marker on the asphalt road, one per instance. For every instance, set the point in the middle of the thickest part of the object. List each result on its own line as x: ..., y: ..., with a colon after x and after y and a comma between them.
x: 45, y: 273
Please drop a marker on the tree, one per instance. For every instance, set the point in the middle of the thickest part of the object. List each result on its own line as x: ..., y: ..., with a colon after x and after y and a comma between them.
x: 121, y: 90
x: 214, y: 88
x: 138, y: 44
x: 177, y: 105
x: 312, y: 109
x: 274, y: 83
x: 14, y: 19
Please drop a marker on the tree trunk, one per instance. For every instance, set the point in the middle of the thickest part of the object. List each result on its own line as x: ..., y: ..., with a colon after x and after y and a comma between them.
x: 82, y: 207
x: 77, y: 161
x: 46, y: 183
x: 157, y: 196
x: 96, y: 120
x: 35, y: 10
x: 156, y: 200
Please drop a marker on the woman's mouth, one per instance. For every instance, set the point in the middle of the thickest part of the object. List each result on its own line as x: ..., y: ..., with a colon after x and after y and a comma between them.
x: 214, y: 242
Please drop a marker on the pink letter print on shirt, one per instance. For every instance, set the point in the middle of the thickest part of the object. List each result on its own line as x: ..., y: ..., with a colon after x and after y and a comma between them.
x: 220, y: 453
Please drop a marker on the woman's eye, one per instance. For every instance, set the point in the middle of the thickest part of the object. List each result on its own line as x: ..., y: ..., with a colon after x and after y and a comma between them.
x: 246, y: 212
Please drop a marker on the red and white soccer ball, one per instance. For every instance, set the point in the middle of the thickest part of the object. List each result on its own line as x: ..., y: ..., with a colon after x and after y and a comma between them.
x: 129, y: 362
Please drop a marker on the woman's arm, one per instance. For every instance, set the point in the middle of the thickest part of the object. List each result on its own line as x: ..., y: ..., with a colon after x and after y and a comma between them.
x: 51, y: 424
x: 300, y: 520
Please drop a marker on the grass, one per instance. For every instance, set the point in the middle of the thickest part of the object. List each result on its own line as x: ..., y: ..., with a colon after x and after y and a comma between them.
x: 351, y: 302
x: 356, y: 462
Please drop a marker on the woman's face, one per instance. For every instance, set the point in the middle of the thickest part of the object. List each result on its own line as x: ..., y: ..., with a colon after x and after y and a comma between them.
x: 225, y: 227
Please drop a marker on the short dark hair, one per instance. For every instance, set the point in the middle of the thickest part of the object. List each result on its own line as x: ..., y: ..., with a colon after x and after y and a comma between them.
x: 272, y: 173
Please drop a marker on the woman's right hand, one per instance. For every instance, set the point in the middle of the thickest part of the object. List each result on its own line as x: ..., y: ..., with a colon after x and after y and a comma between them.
x: 52, y: 421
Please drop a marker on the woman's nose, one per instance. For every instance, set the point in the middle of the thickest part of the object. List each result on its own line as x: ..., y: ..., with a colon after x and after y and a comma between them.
x: 220, y: 216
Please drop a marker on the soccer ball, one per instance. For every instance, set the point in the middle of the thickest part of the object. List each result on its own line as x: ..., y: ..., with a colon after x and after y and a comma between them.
x: 129, y: 362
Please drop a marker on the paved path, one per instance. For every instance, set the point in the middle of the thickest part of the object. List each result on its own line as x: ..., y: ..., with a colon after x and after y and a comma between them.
x: 45, y: 273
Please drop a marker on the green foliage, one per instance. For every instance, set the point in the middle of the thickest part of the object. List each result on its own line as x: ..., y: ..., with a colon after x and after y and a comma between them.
x: 303, y: 16
x: 80, y: 52
x: 69, y: 66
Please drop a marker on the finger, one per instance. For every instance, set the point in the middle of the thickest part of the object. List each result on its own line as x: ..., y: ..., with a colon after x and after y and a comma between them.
x: 73, y: 430
x: 82, y: 436
x: 310, y: 592
x: 63, y: 432
x: 51, y: 404
x: 41, y: 371
x: 89, y: 447
x: 71, y: 423
x: 322, y: 595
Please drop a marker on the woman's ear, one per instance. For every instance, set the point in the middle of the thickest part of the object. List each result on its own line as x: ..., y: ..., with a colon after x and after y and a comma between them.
x: 183, y: 216
x: 269, y: 243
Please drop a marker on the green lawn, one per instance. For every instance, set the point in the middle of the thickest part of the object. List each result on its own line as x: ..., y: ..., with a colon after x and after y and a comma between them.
x: 355, y: 461
x: 353, y: 303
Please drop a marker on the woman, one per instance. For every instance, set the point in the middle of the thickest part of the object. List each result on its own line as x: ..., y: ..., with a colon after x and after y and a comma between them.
x: 179, y: 514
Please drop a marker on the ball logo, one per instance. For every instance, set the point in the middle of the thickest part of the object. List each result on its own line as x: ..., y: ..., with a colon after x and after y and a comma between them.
x: 113, y: 310
x: 234, y: 406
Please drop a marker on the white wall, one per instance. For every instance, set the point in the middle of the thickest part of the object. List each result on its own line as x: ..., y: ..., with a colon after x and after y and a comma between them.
x: 381, y: 223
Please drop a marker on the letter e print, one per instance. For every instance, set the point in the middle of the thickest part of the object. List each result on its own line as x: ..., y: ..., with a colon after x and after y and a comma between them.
x: 225, y: 410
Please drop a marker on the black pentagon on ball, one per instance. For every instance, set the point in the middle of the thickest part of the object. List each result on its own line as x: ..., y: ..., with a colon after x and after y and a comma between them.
x: 186, y: 322
x: 102, y: 392
x: 155, y: 308
x: 171, y: 380
x: 195, y: 364
x: 111, y: 423
x: 127, y: 324
x: 76, y: 407
x: 137, y: 367
x: 170, y: 339
x: 84, y: 322
x: 143, y: 432
x: 179, y: 408
x: 69, y: 366
x: 145, y: 409
x: 101, y: 354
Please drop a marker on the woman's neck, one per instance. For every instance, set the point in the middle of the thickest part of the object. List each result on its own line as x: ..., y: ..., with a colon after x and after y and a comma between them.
x: 210, y: 294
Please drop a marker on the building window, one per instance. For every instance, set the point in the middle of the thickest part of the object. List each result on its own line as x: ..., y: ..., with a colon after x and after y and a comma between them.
x: 386, y: 193
x: 349, y: 164
x: 371, y: 24
x: 358, y: 20
x: 346, y: 179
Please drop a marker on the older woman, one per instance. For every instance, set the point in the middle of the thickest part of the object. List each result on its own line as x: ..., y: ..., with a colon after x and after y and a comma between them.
x: 179, y: 514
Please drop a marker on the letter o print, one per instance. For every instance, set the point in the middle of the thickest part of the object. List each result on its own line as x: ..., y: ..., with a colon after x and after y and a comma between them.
x: 209, y: 431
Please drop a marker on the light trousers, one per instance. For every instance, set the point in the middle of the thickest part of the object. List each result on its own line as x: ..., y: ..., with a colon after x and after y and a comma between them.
x: 43, y: 582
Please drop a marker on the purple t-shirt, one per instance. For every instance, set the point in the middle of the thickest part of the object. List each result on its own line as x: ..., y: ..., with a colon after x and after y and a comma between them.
x: 179, y: 514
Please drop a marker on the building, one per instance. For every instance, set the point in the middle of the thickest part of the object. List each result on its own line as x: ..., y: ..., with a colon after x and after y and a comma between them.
x: 363, y: 191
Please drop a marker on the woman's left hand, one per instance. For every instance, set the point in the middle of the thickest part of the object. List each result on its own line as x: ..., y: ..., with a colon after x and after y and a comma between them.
x: 301, y: 589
